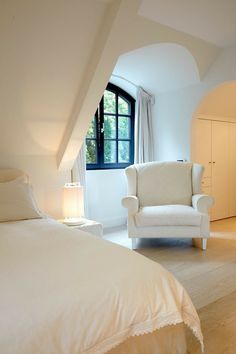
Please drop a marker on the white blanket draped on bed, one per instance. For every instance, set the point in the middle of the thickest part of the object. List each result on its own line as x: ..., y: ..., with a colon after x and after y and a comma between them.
x: 68, y: 292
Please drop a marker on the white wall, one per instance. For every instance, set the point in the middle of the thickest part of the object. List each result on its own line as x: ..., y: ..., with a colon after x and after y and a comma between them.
x: 105, y: 189
x: 47, y: 181
x: 172, y: 123
x: 172, y: 115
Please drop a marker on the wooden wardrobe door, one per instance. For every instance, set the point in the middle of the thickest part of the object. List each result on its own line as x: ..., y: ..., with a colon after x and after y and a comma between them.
x: 220, y: 169
x: 201, y: 145
x: 232, y: 174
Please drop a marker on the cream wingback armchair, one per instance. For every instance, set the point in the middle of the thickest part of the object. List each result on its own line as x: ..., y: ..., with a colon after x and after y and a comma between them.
x: 164, y: 200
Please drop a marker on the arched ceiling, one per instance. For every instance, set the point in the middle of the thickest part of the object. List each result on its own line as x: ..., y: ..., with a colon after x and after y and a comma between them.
x: 220, y: 102
x: 159, y: 67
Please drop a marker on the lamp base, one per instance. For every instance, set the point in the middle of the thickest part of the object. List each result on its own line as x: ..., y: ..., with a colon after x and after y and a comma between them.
x: 74, y: 221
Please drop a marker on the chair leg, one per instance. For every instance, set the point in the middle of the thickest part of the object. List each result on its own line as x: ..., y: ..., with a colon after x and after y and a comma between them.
x: 204, y: 243
x: 134, y: 243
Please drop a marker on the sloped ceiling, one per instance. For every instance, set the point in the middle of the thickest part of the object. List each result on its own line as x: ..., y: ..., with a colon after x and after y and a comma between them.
x: 55, y: 60
x: 211, y: 20
x: 44, y: 50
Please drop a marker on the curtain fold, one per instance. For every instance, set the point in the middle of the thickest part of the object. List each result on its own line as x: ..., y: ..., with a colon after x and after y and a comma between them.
x: 144, y: 151
x: 78, y: 173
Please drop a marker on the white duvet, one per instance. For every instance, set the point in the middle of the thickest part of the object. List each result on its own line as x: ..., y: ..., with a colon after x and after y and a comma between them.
x: 68, y: 292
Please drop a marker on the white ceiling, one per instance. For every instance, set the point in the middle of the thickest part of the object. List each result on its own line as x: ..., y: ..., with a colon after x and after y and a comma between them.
x: 45, y: 47
x: 55, y: 59
x: 159, y: 67
x: 211, y: 20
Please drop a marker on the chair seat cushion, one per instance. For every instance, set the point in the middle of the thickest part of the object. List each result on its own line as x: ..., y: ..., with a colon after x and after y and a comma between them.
x: 168, y: 215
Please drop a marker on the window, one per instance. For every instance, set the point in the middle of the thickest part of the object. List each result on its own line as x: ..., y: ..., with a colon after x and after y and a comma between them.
x: 110, y: 137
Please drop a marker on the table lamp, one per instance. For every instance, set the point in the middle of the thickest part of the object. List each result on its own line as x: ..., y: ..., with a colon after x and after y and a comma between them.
x: 73, y: 204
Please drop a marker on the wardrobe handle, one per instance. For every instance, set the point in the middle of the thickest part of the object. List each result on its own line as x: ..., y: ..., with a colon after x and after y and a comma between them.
x: 209, y: 162
x: 214, y: 162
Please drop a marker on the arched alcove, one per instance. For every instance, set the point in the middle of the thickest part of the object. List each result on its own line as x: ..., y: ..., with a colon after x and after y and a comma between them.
x: 162, y: 69
x: 159, y: 68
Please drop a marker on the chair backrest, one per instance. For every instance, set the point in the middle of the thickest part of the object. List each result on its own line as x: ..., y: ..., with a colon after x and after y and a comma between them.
x: 162, y: 183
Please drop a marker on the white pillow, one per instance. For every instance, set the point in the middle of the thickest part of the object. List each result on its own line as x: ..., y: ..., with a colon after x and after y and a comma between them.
x: 17, y: 201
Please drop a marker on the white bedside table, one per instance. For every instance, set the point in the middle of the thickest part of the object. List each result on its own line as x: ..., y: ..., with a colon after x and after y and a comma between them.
x: 90, y: 226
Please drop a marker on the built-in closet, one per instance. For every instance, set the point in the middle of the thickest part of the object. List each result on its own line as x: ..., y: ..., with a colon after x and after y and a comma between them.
x: 214, y: 146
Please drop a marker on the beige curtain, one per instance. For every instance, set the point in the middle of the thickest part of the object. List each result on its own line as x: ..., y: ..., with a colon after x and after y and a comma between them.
x: 78, y: 173
x: 144, y: 151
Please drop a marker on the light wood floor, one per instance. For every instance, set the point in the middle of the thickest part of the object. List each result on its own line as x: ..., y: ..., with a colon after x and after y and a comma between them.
x: 208, y: 276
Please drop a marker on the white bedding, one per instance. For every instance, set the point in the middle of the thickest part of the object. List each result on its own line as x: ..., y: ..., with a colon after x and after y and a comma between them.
x: 68, y: 292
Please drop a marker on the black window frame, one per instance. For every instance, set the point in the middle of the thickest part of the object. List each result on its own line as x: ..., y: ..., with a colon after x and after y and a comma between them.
x: 99, y: 125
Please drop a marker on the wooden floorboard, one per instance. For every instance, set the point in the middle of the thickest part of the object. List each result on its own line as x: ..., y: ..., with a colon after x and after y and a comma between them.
x: 208, y: 276
x: 218, y: 321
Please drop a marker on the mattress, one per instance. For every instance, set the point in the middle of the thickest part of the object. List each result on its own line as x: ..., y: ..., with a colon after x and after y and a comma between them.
x: 66, y: 291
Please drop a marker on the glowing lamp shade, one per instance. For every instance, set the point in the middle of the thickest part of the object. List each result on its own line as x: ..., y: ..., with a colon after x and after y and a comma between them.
x: 73, y: 202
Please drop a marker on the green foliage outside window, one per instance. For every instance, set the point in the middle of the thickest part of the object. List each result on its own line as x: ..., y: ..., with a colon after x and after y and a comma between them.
x: 91, y: 144
x: 116, y: 132
x: 109, y: 102
x: 91, y: 151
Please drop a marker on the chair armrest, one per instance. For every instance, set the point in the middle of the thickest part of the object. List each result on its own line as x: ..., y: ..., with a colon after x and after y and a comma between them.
x: 131, y: 202
x: 202, y: 202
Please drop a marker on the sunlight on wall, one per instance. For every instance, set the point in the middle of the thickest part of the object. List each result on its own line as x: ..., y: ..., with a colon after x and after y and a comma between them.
x: 220, y: 101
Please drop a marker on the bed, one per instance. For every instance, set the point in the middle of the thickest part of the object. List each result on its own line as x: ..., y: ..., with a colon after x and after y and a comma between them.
x: 64, y: 291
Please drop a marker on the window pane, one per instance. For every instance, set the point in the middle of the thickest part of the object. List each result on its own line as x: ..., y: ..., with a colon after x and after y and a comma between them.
x: 124, y: 128
x: 123, y: 106
x: 123, y: 151
x: 109, y: 151
x: 91, y: 133
x: 109, y: 102
x: 109, y: 127
x: 91, y: 151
